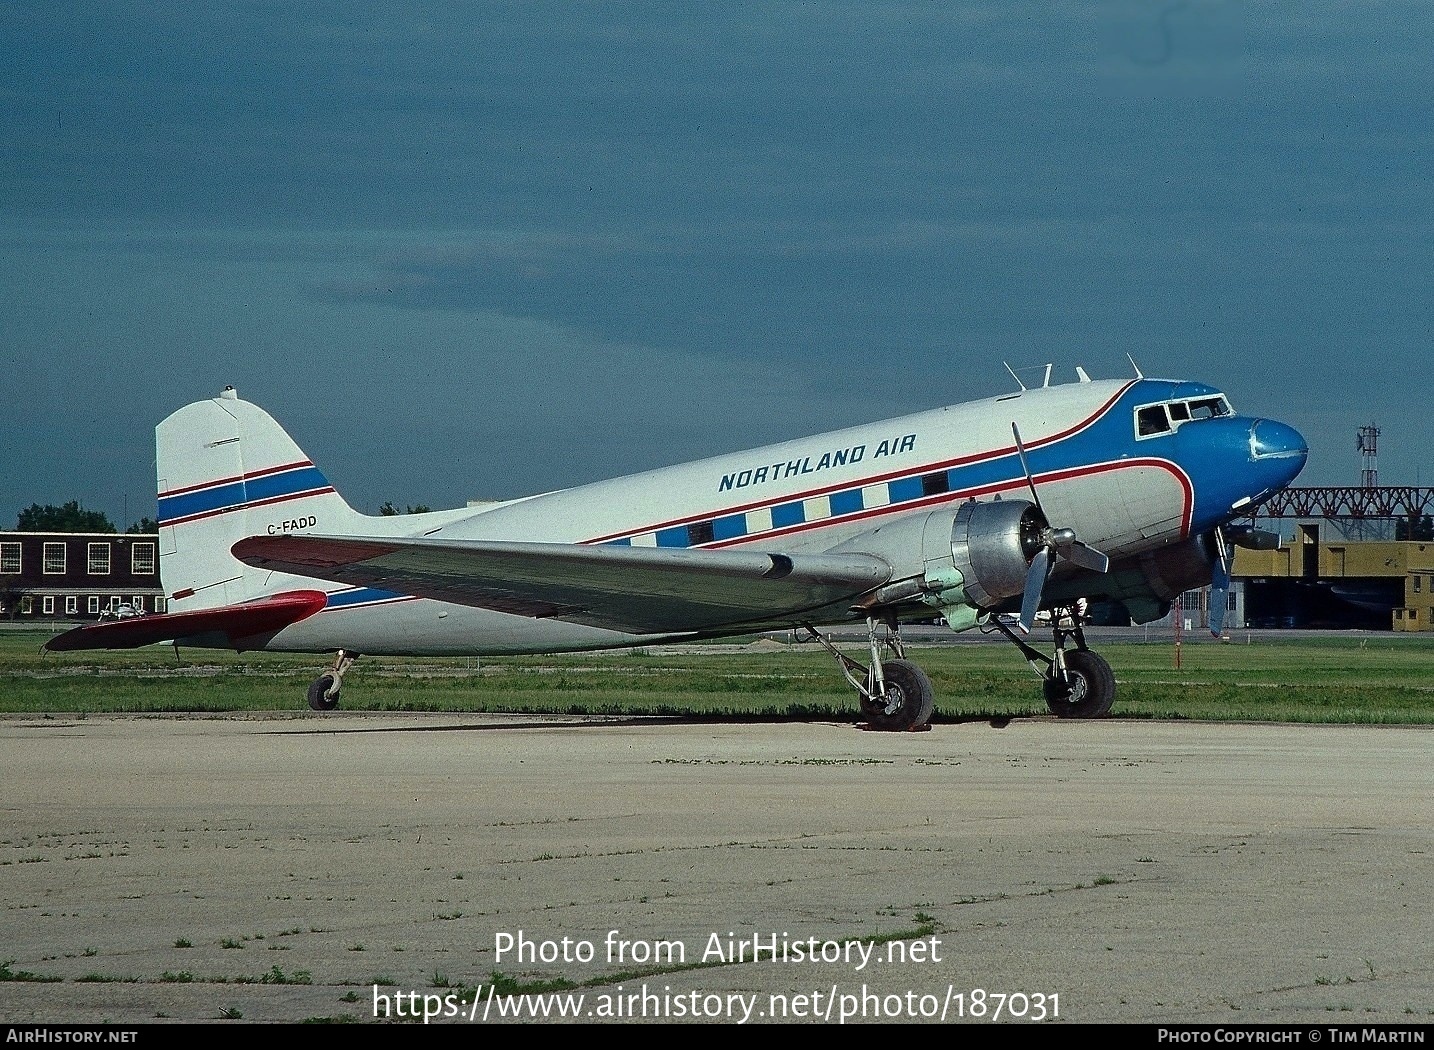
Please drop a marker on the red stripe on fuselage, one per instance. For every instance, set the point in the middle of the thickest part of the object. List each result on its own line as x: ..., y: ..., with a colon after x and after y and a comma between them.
x: 842, y: 486
x: 1014, y: 485
x: 246, y: 506
x: 237, y: 477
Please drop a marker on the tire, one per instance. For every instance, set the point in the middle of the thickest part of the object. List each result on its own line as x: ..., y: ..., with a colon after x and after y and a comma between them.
x: 908, y: 684
x: 1089, y: 690
x: 320, y: 699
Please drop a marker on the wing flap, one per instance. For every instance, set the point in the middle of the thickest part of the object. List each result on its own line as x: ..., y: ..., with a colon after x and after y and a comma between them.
x: 235, y: 622
x: 636, y: 590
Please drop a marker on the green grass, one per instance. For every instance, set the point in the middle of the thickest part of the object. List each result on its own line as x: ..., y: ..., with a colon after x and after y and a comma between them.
x: 1370, y: 679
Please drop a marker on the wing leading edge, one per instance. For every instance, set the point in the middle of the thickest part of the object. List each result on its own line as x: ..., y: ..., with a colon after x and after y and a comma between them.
x: 634, y: 590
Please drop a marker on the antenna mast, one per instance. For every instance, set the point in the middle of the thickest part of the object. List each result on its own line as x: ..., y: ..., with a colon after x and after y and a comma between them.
x: 1367, y: 444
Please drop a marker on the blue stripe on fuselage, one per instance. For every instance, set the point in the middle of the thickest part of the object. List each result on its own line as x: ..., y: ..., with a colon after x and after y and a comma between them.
x: 235, y: 494
x: 361, y: 596
x: 1107, y: 438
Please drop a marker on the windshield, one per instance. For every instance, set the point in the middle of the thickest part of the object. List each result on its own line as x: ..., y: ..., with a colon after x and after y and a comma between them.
x: 1168, y: 416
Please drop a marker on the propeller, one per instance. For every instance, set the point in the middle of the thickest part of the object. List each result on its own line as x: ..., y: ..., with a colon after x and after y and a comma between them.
x: 1226, y: 540
x: 1053, y: 543
x: 1220, y: 583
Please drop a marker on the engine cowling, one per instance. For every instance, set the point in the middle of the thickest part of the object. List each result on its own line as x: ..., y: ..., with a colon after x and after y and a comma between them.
x: 973, y: 556
x: 992, y: 545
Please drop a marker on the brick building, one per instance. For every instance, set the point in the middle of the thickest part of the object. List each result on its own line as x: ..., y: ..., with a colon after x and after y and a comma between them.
x: 77, y: 576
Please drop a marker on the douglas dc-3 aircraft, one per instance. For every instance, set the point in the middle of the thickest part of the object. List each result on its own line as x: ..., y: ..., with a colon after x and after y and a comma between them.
x: 982, y: 514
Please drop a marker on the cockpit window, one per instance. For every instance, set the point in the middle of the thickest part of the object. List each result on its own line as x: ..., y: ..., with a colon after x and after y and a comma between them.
x: 1151, y: 420
x: 1209, y: 407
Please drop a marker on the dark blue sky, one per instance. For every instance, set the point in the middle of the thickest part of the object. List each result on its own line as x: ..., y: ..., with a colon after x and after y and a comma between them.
x: 483, y: 250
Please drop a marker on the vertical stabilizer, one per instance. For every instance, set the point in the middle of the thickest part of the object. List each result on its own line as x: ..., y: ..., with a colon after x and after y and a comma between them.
x: 226, y: 471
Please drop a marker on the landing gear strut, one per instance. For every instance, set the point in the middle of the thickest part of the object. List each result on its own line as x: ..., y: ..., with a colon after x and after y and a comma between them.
x: 324, y: 691
x: 896, y: 695
x: 1077, y: 683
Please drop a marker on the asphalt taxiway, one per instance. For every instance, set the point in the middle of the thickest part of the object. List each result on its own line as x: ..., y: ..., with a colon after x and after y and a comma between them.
x: 282, y: 868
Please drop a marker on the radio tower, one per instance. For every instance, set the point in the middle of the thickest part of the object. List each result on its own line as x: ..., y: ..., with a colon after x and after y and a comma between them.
x: 1367, y: 444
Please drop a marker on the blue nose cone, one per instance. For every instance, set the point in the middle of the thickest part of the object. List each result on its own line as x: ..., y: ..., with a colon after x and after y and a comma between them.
x: 1278, y: 447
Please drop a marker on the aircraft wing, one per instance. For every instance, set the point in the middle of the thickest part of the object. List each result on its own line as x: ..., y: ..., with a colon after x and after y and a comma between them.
x: 638, y: 590
x: 234, y: 622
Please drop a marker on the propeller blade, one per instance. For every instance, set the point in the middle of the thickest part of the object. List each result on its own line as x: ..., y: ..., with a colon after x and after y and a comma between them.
x: 1026, y: 468
x: 1035, y: 584
x: 1054, y: 543
x: 1220, y: 583
x: 1084, y: 555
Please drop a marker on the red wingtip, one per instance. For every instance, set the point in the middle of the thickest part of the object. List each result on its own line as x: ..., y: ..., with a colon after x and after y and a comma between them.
x: 236, y: 622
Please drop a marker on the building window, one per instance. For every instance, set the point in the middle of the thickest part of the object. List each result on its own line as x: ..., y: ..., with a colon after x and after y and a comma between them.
x: 138, y: 602
x: 99, y: 559
x: 1416, y: 584
x: 142, y: 559
x: 47, y: 605
x: 72, y: 605
x: 94, y: 604
x: 10, y: 557
x: 159, y: 605
x: 27, y: 605
x: 54, y: 561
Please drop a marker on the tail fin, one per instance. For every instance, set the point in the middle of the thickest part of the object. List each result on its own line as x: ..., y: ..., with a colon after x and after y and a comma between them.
x: 226, y: 471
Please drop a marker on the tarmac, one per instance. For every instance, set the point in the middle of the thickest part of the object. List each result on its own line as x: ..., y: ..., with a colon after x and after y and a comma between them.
x: 360, y: 866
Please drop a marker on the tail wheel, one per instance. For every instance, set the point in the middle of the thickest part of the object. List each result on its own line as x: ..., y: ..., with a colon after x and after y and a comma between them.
x: 1088, y: 689
x: 324, y: 692
x: 909, y: 698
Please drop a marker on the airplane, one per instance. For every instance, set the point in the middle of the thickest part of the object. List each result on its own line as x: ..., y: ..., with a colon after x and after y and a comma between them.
x: 982, y: 514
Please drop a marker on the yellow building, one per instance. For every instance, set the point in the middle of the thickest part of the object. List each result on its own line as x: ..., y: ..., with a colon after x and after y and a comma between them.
x: 1339, y: 583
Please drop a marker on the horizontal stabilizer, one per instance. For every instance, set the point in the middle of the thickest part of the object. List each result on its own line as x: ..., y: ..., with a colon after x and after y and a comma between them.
x: 262, y: 616
x: 641, y: 590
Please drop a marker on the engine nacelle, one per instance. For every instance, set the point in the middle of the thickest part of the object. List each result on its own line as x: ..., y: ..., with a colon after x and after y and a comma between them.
x: 974, y: 555
x: 992, y: 545
x: 1147, y: 583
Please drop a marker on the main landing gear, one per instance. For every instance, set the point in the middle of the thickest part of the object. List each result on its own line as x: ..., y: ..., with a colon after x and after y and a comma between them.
x: 1077, y: 683
x: 324, y: 691
x: 896, y: 695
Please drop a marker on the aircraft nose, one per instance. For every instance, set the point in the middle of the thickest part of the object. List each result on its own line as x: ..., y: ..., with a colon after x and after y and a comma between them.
x: 1270, y: 439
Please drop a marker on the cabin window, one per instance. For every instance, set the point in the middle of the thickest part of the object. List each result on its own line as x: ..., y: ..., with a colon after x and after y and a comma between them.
x: 1151, y: 420
x: 54, y: 559
x: 99, y: 559
x: 934, y: 484
x: 1179, y: 412
x: 699, y: 532
x: 10, y: 557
